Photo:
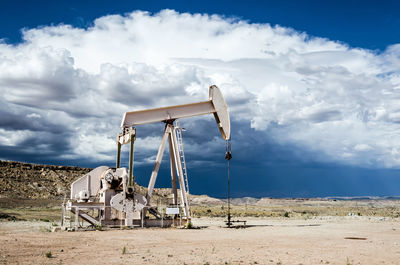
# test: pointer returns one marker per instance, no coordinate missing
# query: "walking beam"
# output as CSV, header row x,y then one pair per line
x,y
215,105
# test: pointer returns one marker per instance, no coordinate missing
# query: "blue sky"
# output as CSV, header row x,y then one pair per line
x,y
312,88
370,24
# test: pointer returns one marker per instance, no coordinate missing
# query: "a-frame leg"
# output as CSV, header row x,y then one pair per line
x,y
173,171
157,164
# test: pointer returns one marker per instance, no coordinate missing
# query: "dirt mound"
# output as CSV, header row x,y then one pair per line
x,y
244,201
204,200
265,201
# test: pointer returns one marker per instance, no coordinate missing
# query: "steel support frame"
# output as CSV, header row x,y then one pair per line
x,y
128,135
175,163
176,169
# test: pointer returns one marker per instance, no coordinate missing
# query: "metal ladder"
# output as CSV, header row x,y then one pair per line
x,y
182,155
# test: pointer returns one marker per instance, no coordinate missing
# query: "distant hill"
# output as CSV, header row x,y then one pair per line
x,y
50,182
33,181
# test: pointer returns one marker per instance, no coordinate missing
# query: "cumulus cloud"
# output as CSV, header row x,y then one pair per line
x,y
313,93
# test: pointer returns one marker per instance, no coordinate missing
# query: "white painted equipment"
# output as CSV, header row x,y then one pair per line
x,y
216,105
111,192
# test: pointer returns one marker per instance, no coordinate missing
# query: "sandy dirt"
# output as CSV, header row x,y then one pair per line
x,y
320,240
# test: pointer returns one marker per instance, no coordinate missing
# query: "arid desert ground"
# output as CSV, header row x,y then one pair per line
x,y
279,231
316,240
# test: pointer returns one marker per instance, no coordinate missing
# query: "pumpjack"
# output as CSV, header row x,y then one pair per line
x,y
106,196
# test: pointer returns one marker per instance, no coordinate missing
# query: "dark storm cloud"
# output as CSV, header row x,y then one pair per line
x,y
41,147
34,92
18,121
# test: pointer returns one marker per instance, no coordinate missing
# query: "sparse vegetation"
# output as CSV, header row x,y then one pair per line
x,y
189,225
302,209
124,250
8,217
22,212
286,214
48,254
45,229
49,211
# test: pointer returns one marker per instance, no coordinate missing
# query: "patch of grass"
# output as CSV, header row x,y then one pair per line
x,y
286,214
32,213
8,217
124,250
54,224
300,209
98,227
189,225
45,229
45,220
48,254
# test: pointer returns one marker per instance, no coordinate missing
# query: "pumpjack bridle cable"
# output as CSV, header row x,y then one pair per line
x,y
228,157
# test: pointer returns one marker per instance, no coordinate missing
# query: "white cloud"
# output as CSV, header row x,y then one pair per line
x,y
315,93
362,147
11,138
34,116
